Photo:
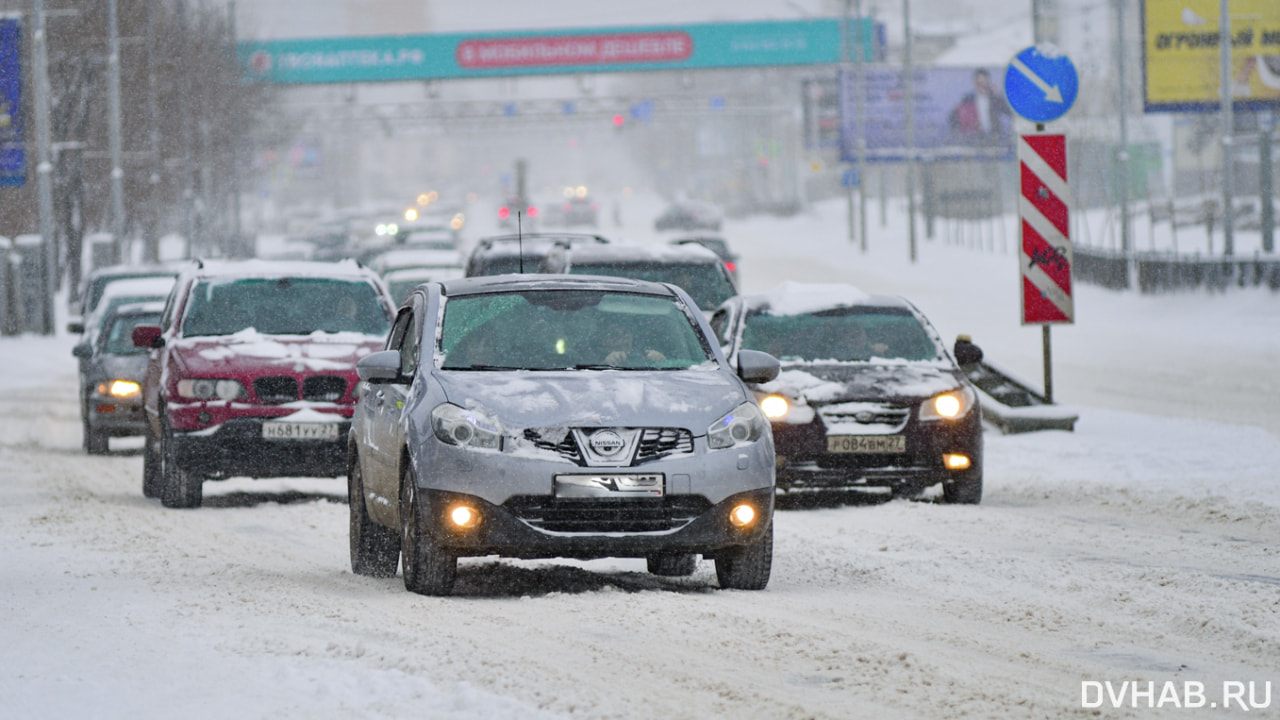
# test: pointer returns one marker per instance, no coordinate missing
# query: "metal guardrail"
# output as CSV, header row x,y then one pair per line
x,y
1167,272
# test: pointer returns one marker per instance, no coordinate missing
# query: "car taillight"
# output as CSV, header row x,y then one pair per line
x,y
504,213
533,211
730,266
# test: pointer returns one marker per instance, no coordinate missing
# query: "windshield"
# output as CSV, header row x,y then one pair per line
x,y
842,335
559,329
119,337
284,306
705,283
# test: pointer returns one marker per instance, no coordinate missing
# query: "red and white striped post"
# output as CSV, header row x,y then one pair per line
x,y
1044,203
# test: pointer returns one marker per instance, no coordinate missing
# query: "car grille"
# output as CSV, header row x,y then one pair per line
x,y
324,388
276,389
604,515
655,443
872,416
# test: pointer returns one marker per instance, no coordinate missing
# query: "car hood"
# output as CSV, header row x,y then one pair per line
x,y
820,384
229,355
692,399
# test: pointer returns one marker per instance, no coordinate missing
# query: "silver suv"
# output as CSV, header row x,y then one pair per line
x,y
572,416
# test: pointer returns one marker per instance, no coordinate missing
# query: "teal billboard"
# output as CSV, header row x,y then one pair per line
x,y
595,50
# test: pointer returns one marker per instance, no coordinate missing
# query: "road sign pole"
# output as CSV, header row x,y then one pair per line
x,y
1228,120
1048,365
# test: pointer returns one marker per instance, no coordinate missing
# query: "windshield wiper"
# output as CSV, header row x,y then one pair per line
x,y
481,367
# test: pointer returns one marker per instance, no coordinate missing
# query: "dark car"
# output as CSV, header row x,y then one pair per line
x,y
689,215
95,283
868,394
715,244
502,420
251,372
695,269
519,253
111,372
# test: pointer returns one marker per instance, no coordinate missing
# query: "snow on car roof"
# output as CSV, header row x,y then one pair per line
x,y
278,268
156,285
515,282
636,252
797,298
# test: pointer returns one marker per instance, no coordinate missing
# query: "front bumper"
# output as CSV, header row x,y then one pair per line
x,y
116,417
539,526
804,462
236,448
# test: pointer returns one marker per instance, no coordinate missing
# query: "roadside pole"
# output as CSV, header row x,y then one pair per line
x,y
1228,122
860,111
44,167
909,72
1267,182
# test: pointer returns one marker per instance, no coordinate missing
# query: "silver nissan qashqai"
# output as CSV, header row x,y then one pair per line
x,y
538,416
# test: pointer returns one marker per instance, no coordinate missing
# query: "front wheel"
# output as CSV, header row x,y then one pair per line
x,y
182,489
428,568
963,492
152,484
95,442
375,550
746,567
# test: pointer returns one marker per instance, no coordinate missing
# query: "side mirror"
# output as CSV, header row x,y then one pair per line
x,y
966,352
379,367
76,327
147,336
82,351
757,367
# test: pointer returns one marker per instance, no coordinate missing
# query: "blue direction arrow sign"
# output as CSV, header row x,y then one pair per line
x,y
1041,84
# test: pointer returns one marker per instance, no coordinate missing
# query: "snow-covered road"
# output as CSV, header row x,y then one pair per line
x,y
1141,548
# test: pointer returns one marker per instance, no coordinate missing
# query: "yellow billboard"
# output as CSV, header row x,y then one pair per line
x,y
1180,54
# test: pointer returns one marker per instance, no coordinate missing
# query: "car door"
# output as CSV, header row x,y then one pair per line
x,y
384,407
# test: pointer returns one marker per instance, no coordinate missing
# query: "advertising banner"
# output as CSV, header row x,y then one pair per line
x,y
958,113
620,49
13,166
1181,70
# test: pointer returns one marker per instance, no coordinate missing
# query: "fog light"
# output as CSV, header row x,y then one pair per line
x,y
742,515
955,462
464,516
205,417
774,406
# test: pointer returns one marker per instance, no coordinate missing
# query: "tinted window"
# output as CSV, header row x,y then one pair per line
x,y
556,329
841,335
705,283
284,306
119,336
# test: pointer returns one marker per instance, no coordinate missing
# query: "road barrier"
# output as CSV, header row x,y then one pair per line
x,y
1167,272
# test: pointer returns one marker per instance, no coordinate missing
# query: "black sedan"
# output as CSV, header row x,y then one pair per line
x,y
868,395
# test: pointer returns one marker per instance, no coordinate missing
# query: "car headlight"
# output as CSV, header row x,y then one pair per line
x,y
211,388
949,405
746,424
467,428
119,388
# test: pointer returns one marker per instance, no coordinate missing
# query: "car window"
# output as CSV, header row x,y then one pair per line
x,y
843,335
720,325
705,283
284,306
119,336
558,329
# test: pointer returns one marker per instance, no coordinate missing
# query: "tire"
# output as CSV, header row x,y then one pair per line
x,y
747,567
95,443
963,492
681,565
428,569
375,550
152,484
181,489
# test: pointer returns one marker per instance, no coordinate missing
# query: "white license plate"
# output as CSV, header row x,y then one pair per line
x,y
866,444
609,486
299,431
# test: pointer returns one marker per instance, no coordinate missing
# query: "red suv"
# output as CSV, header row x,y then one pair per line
x,y
252,372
